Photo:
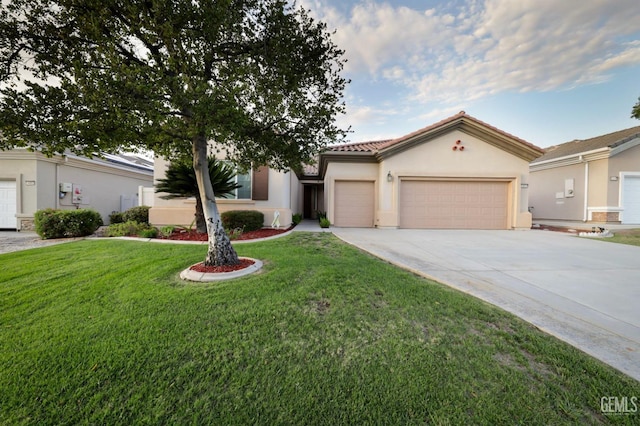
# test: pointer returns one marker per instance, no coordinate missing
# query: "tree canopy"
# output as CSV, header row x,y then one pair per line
x,y
260,78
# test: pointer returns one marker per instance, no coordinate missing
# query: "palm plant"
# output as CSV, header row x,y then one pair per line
x,y
180,181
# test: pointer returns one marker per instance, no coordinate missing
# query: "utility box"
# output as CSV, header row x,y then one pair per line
x,y
66,187
77,194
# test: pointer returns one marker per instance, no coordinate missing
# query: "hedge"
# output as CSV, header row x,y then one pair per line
x,y
51,223
248,220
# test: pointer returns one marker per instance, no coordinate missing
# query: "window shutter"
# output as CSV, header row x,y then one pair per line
x,y
260,184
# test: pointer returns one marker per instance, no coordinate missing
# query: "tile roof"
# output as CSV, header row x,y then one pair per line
x,y
575,147
374,146
370,146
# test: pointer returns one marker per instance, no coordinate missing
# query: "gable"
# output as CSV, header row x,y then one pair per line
x,y
467,125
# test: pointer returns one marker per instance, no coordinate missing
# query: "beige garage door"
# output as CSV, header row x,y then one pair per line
x,y
354,204
453,204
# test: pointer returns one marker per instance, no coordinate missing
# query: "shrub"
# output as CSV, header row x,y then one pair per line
x,y
296,219
116,217
249,220
51,223
234,234
321,215
126,229
148,233
138,214
166,231
324,223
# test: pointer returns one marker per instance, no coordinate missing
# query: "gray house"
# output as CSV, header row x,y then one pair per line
x,y
592,180
30,181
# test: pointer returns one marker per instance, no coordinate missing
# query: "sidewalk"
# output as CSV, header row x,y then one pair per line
x,y
310,225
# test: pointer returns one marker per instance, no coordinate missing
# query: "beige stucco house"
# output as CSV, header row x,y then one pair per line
x,y
460,173
30,181
591,180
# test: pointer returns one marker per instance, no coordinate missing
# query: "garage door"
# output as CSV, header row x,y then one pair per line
x,y
631,200
354,204
8,205
453,204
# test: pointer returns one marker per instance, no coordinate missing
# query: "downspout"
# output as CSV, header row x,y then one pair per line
x,y
586,190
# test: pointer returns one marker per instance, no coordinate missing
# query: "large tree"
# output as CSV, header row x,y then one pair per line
x,y
258,78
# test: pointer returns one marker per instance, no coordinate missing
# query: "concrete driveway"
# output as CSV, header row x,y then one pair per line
x,y
15,241
582,291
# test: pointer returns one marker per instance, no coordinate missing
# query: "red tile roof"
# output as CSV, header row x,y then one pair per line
x,y
370,146
375,146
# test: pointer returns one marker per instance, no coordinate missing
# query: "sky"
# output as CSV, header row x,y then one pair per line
x,y
546,71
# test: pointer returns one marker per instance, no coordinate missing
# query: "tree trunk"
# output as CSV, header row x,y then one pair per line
x,y
201,223
220,252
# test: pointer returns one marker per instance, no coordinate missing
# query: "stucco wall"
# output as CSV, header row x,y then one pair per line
x,y
547,193
437,158
180,211
101,187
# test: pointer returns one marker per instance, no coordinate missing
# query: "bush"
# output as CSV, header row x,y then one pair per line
x,y
138,214
51,223
296,219
324,223
249,220
129,229
148,233
116,217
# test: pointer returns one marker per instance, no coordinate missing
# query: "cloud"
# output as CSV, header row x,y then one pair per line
x,y
467,50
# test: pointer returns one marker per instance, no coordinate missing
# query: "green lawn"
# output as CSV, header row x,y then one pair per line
x,y
104,332
625,236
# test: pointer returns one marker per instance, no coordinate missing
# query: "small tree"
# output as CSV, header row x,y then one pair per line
x,y
635,111
259,78
180,181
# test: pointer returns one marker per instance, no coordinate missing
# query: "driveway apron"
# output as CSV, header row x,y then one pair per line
x,y
582,291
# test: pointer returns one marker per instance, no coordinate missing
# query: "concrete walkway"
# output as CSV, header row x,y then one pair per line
x,y
582,291
11,241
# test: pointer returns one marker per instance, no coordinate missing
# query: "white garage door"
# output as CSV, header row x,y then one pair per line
x,y
631,200
8,207
354,204
453,204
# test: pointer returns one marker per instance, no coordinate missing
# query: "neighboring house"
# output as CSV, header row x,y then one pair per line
x,y
460,173
594,180
31,181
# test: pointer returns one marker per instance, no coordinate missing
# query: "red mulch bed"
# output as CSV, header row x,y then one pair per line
x,y
187,235
244,263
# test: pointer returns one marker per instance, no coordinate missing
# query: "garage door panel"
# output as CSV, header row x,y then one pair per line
x,y
8,205
354,204
453,204
631,200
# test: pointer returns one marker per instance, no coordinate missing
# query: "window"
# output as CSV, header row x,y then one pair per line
x,y
244,192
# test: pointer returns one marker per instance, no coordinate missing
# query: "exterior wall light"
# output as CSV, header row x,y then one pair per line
x,y
389,177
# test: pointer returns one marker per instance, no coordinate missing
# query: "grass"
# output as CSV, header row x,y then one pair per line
x,y
625,236
104,332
